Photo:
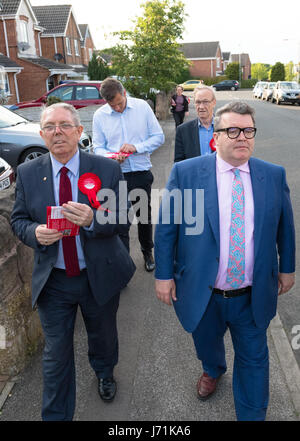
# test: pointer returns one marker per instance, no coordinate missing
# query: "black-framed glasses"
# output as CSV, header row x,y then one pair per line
x,y
234,132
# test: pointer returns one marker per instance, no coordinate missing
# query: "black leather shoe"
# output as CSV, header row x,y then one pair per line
x,y
107,388
149,262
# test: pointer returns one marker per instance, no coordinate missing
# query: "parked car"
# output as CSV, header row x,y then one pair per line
x,y
286,92
79,94
258,89
6,175
267,91
227,85
20,139
191,84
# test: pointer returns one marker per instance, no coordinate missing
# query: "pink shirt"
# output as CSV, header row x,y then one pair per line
x,y
224,183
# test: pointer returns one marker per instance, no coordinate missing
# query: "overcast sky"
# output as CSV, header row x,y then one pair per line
x,y
268,31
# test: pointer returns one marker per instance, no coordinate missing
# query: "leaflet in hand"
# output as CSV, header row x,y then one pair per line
x,y
57,221
114,155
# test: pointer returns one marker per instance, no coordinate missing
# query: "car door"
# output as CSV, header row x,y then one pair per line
x,y
87,95
64,93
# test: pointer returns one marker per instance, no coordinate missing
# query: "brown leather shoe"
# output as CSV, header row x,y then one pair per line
x,y
206,386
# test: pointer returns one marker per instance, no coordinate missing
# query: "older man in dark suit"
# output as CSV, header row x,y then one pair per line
x,y
88,270
193,138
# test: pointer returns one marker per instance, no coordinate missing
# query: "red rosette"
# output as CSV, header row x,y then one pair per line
x,y
90,184
212,144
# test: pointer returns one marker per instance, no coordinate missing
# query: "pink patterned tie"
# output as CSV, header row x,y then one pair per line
x,y
236,261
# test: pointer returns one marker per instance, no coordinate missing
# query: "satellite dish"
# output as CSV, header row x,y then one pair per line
x,y
58,57
23,46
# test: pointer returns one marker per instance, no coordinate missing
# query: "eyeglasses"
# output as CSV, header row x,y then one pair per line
x,y
62,127
234,132
204,102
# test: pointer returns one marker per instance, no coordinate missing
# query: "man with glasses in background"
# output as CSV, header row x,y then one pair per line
x,y
86,270
195,137
231,274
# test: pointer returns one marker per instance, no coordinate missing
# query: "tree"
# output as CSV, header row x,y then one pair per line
x,y
232,71
149,56
97,68
289,71
277,72
259,71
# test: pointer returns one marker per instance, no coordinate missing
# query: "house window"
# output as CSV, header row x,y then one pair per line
x,y
76,47
23,32
90,53
69,51
4,84
218,62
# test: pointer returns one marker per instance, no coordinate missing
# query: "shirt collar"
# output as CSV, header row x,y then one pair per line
x,y
212,123
224,166
72,164
109,110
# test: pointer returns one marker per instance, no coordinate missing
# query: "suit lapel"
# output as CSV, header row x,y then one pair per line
x,y
207,175
45,179
196,140
258,181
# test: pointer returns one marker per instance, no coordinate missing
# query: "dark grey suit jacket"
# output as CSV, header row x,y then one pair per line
x,y
108,263
187,143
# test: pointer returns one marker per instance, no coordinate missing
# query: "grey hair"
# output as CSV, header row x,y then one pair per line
x,y
203,87
110,87
66,106
240,107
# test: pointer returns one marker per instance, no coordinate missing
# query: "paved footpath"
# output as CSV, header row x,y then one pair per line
x,y
158,369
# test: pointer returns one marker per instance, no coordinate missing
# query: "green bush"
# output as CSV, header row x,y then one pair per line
x,y
248,84
52,100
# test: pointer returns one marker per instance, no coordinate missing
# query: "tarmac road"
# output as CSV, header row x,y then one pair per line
x,y
158,369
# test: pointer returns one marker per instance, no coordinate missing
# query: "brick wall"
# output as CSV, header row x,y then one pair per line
x,y
72,33
203,68
31,81
13,97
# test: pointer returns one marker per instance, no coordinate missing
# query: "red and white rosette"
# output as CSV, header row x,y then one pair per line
x,y
212,145
90,184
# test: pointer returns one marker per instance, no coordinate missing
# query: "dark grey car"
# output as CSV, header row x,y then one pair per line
x,y
20,140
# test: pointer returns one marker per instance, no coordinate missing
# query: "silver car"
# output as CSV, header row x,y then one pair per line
x,y
20,139
268,91
258,89
286,92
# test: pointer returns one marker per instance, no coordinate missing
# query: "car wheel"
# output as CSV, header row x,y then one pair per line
x,y
232,88
215,89
32,153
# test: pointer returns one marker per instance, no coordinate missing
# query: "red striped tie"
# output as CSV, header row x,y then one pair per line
x,y
68,243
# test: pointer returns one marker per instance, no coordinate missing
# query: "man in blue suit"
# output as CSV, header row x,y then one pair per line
x,y
88,270
225,272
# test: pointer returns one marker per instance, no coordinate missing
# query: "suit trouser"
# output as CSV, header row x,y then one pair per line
x,y
251,361
57,306
178,117
141,180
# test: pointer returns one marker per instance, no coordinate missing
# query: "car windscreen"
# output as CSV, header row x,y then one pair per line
x,y
290,85
8,118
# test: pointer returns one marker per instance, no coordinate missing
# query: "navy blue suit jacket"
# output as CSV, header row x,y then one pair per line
x,y
108,263
192,260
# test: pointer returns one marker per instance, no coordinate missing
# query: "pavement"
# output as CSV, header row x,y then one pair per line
x,y
157,370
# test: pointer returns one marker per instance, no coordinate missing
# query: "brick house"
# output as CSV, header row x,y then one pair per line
x,y
205,57
20,48
245,62
87,44
62,39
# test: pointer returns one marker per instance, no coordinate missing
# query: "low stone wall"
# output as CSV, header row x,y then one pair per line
x,y
20,329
